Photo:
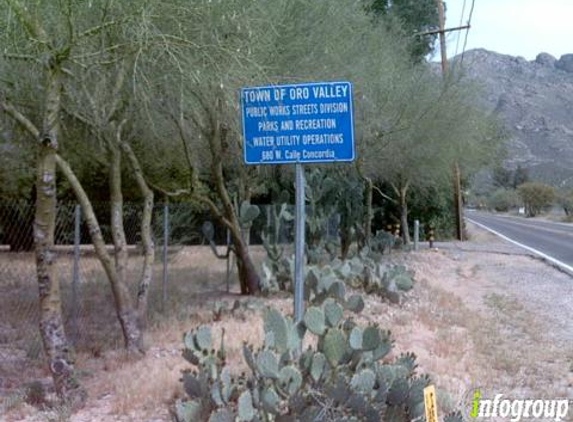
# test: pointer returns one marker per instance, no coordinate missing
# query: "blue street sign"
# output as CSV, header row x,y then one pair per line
x,y
300,123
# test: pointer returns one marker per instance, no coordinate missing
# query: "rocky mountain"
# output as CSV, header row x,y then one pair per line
x,y
535,100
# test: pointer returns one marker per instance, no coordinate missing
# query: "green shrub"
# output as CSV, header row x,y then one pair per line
x,y
503,200
565,200
536,197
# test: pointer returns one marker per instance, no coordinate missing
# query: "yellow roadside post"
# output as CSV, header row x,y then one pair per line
x,y
431,404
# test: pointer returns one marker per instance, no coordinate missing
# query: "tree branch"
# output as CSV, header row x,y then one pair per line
x,y
10,110
24,57
96,29
383,195
192,172
201,198
32,28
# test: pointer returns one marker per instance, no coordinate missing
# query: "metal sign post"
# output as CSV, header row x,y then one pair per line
x,y
299,245
298,124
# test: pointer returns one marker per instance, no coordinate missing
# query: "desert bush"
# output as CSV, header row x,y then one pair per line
x,y
536,197
565,200
503,200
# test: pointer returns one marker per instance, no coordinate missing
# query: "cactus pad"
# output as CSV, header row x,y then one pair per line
x,y
317,366
333,312
203,338
334,346
364,381
267,364
246,409
290,379
314,320
371,338
275,322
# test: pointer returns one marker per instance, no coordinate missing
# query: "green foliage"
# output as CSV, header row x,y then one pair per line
x,y
351,210
509,179
536,197
183,223
347,376
382,242
415,16
16,163
565,200
276,269
403,119
503,200
520,176
502,177
321,194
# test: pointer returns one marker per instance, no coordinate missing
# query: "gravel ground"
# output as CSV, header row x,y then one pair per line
x,y
541,287
482,313
522,335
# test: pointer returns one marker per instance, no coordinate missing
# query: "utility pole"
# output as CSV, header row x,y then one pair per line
x,y
445,69
442,23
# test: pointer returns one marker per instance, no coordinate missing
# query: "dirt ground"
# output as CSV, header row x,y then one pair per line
x,y
482,314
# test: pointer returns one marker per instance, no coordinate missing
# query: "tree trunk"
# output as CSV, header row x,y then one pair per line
x,y
126,312
345,241
146,236
404,215
56,346
118,290
248,276
345,235
148,260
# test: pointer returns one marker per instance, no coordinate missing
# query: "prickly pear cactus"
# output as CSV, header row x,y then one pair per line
x,y
238,309
363,271
248,213
347,373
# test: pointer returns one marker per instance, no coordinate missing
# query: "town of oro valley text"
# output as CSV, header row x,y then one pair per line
x,y
298,123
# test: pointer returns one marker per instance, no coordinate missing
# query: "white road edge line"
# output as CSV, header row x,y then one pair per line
x,y
534,221
554,261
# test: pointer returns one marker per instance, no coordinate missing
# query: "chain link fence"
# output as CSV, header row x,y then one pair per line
x,y
186,274
182,257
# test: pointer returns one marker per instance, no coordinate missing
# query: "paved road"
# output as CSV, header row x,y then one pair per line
x,y
552,239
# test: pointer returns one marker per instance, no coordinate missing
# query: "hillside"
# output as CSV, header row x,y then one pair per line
x,y
535,100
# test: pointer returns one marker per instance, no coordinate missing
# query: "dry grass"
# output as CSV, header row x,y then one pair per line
x,y
465,330
486,334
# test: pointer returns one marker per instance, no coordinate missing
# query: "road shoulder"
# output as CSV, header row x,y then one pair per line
x,y
488,314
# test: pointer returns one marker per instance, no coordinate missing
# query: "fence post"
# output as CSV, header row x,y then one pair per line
x,y
416,234
229,257
76,274
165,247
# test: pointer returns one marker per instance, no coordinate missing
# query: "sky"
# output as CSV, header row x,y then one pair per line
x,y
515,27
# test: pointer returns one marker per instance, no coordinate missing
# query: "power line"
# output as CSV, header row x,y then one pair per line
x,y
461,22
468,31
